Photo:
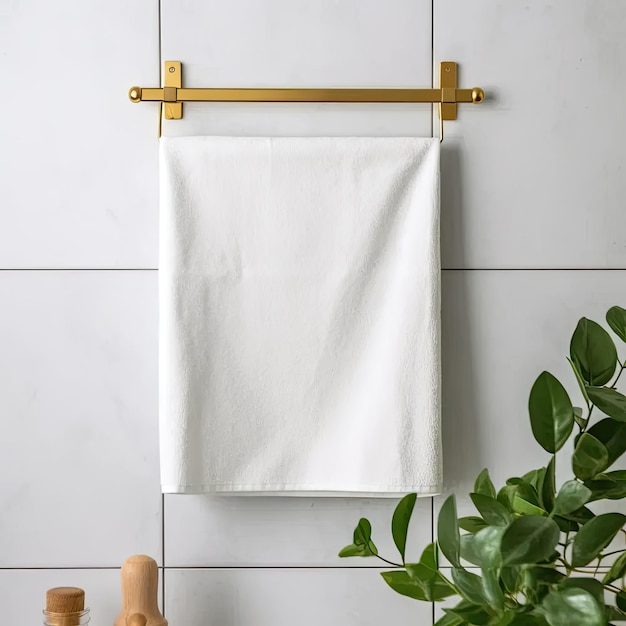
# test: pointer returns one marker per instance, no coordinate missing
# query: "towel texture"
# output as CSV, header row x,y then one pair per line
x,y
299,316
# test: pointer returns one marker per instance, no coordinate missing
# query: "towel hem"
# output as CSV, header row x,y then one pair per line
x,y
362,491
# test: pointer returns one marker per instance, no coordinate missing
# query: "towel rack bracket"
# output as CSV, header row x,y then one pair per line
x,y
172,81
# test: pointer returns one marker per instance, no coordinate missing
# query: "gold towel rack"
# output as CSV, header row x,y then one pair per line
x,y
173,94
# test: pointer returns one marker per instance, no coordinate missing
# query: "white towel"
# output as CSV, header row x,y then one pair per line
x,y
299,316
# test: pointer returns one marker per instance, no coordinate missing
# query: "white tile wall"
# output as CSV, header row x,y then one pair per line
x,y
79,451
538,168
225,531
531,180
78,165
501,330
307,597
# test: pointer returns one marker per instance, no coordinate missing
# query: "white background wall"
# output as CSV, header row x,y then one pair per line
x,y
533,238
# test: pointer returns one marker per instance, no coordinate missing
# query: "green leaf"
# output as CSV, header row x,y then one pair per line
x,y
450,619
402,583
548,488
472,524
506,619
529,619
566,525
506,495
523,507
613,614
493,512
534,478
565,607
433,584
582,515
491,588
362,541
612,435
471,613
609,401
593,586
540,575
400,522
616,319
608,485
578,417
362,532
484,485
470,585
618,569
429,557
620,601
594,353
354,550
590,457
551,412
510,576
483,548
448,535
529,540
605,489
579,380
594,536
469,551
571,497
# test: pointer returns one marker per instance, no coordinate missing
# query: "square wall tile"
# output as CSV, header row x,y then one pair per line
x,y
534,176
78,160
79,473
501,329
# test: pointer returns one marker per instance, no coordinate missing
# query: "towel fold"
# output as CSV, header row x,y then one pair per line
x,y
299,316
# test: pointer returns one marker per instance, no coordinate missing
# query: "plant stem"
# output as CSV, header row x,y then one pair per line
x,y
603,556
389,562
623,366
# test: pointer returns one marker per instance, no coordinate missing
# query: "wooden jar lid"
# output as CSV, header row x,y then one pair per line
x,y
63,600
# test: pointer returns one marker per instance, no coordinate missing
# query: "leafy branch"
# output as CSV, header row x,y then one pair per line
x,y
532,541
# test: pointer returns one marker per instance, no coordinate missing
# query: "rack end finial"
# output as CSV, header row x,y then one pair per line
x,y
478,95
134,93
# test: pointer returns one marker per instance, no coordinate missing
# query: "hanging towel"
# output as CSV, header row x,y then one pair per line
x,y
299,316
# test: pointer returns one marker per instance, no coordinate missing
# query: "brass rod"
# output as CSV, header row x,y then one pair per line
x,y
308,95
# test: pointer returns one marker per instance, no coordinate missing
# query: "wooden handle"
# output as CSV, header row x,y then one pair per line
x,y
140,580
137,619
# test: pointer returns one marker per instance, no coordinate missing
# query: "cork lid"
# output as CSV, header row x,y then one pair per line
x,y
65,600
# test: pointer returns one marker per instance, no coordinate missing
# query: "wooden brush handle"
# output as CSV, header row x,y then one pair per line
x,y
140,580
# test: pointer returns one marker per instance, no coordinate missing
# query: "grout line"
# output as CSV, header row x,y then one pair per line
x,y
432,64
160,38
376,568
79,269
159,63
590,570
163,553
533,269
443,269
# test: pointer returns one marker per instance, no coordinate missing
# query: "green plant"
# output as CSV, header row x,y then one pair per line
x,y
530,541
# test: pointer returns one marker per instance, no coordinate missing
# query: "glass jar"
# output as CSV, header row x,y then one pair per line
x,y
66,619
